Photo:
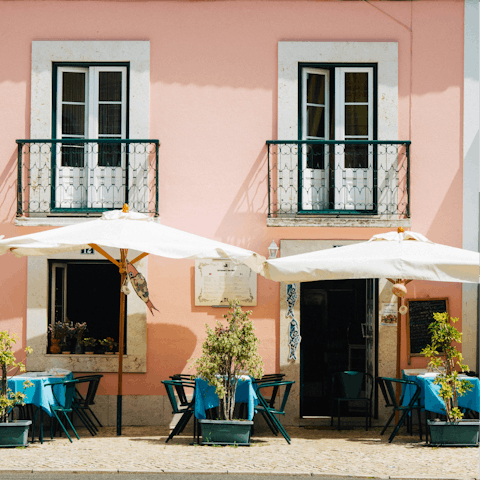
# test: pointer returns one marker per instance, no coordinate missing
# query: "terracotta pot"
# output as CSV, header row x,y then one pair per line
x,y
55,347
66,352
89,353
108,353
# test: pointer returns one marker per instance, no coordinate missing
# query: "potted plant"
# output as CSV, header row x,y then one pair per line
x,y
89,343
229,350
80,329
11,433
108,345
58,333
447,361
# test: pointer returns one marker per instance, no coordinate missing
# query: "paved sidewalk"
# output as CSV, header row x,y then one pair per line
x,y
312,452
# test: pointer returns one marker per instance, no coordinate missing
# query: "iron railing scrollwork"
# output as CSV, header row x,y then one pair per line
x,y
82,176
332,177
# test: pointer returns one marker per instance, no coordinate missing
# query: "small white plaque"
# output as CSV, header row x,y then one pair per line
x,y
218,282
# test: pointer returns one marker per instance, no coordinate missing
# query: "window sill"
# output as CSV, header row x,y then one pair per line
x,y
338,221
55,221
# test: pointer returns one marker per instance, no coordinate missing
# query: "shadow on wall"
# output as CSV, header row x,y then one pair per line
x,y
170,346
8,190
246,216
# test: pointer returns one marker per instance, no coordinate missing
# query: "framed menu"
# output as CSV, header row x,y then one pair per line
x,y
419,317
218,282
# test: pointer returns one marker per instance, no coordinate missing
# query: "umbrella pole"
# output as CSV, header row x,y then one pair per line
x,y
121,336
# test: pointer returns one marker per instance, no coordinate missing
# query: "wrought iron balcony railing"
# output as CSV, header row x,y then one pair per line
x,y
83,176
332,177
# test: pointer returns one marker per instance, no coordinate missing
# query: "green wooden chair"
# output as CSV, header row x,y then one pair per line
x,y
352,387
64,408
82,402
186,410
270,413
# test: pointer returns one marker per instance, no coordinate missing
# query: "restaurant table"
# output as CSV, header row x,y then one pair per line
x,y
429,398
38,394
206,398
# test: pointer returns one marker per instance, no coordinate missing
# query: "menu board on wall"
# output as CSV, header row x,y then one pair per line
x,y
218,282
419,317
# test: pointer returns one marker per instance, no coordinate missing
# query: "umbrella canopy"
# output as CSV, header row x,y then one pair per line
x,y
124,230
402,255
132,230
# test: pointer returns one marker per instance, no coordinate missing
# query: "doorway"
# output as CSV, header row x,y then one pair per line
x,y
337,330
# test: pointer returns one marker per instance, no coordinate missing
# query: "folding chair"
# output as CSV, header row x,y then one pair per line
x,y
82,403
182,397
187,411
270,413
388,388
271,377
65,408
355,387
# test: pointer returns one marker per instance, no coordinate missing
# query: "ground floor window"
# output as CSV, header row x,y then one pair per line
x,y
85,292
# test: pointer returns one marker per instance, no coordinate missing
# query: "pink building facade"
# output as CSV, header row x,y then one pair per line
x,y
310,124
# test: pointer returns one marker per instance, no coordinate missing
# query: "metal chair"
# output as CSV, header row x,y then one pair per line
x,y
270,413
388,388
179,389
66,407
186,411
351,386
271,377
83,402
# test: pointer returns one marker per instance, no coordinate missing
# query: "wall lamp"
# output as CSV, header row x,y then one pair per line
x,y
273,250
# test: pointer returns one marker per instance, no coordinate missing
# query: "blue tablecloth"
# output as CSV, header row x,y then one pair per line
x,y
206,398
38,394
430,400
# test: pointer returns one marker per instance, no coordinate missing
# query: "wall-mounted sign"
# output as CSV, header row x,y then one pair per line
x,y
87,251
389,313
217,282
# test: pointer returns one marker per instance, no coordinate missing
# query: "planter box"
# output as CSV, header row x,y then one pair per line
x,y
14,434
225,432
463,433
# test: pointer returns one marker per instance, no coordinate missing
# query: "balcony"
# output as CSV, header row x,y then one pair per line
x,y
85,177
362,180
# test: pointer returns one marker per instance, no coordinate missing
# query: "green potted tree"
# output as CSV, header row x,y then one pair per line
x,y
447,361
229,350
11,433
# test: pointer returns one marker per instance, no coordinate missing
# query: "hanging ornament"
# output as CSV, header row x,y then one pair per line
x,y
399,289
125,288
139,284
403,310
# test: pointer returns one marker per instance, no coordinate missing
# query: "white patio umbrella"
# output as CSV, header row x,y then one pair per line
x,y
402,255
396,256
124,230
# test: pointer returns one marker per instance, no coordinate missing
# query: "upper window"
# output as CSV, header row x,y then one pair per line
x,y
337,103
91,103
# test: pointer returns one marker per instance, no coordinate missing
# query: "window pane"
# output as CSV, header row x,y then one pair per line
x,y
315,156
356,87
316,89
73,155
316,122
356,156
110,87
109,155
356,120
73,119
109,122
73,87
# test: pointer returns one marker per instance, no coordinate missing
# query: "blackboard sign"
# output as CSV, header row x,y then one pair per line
x,y
419,317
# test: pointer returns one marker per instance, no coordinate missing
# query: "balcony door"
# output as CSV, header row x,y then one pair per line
x,y
91,104
337,104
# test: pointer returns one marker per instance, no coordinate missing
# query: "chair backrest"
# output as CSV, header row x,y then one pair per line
x,y
170,386
352,384
288,386
88,398
271,377
184,379
388,387
69,392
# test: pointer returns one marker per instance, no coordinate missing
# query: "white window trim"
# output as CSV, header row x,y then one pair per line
x,y
37,322
385,55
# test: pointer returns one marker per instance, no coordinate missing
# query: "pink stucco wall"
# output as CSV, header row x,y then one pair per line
x,y
213,106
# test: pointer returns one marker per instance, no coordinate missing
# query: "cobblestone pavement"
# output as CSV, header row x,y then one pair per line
x,y
312,452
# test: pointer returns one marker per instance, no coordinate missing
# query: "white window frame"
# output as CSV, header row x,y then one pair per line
x,y
385,55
